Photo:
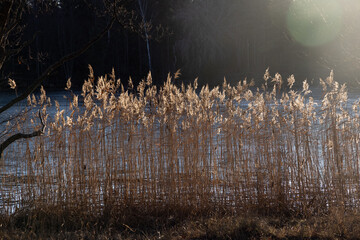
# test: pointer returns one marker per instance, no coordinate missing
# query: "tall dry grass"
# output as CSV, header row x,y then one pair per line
x,y
229,149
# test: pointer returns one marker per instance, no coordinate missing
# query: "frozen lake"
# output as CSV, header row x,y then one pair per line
x,y
16,176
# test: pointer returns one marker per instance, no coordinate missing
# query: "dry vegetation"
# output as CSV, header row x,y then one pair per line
x,y
143,160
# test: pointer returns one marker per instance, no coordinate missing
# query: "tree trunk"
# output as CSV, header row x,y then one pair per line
x,y
142,12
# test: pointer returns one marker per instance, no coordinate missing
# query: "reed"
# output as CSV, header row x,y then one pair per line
x,y
187,151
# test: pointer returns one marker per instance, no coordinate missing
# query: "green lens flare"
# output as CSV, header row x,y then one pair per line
x,y
314,22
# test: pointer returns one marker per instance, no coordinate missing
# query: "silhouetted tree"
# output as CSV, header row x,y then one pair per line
x,y
11,16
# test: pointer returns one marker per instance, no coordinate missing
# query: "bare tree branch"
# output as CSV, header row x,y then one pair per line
x,y
18,136
37,83
53,67
16,51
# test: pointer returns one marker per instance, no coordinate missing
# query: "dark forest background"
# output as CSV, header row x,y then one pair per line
x,y
208,39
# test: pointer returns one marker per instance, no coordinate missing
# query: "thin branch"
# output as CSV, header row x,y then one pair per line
x,y
37,83
53,67
13,18
16,51
42,123
18,136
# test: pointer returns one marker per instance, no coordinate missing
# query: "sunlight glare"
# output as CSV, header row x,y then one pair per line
x,y
314,23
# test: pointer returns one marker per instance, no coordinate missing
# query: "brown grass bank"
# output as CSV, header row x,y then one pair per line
x,y
50,224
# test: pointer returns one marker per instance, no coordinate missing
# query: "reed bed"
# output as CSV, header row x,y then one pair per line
x,y
179,149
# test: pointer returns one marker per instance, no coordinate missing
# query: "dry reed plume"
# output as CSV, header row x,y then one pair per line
x,y
231,149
